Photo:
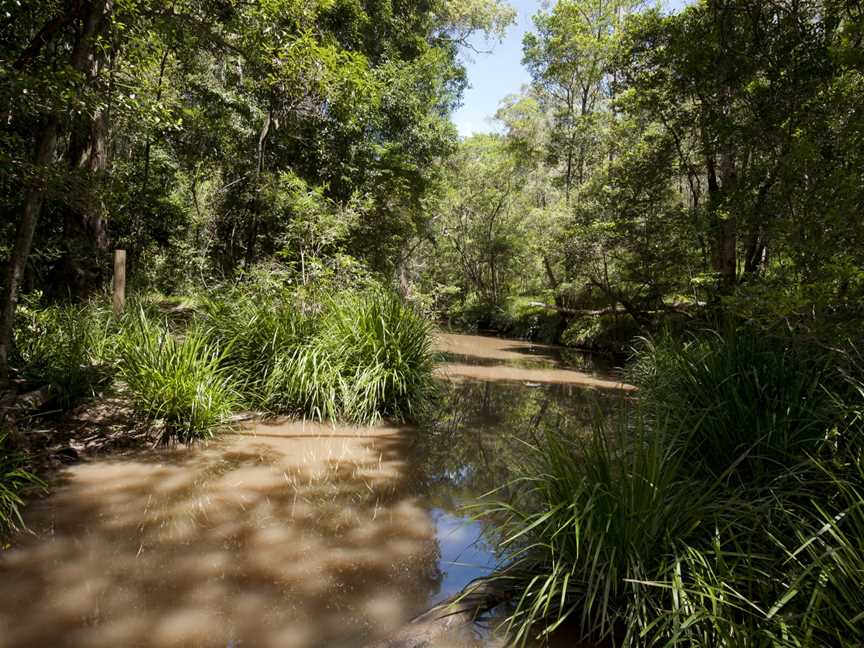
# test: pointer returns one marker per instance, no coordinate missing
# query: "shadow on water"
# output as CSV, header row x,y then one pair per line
x,y
287,533
296,537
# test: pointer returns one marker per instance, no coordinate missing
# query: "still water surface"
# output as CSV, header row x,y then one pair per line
x,y
290,533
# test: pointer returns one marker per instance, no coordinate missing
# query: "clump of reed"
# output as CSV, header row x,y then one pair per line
x,y
180,381
351,355
725,509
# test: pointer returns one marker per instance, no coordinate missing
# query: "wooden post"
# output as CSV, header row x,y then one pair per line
x,y
119,292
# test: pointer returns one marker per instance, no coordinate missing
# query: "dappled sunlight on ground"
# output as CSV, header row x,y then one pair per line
x,y
285,535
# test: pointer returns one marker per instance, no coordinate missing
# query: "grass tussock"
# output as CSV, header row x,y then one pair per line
x,y
726,509
353,355
182,382
739,393
378,354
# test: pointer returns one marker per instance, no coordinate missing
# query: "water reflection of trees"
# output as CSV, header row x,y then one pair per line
x,y
480,435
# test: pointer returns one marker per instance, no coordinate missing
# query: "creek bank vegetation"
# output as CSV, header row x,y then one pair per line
x,y
660,170
215,141
736,520
693,178
347,354
351,354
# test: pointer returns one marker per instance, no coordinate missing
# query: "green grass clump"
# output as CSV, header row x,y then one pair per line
x,y
350,355
69,347
738,521
371,356
14,480
182,382
740,392
258,330
593,515
354,354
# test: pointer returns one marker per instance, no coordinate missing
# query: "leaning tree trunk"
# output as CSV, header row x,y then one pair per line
x,y
92,16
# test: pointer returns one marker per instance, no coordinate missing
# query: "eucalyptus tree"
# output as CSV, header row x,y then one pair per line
x,y
482,233
569,60
527,127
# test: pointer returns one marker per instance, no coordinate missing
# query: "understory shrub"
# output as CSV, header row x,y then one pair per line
x,y
605,332
535,323
69,347
477,314
724,509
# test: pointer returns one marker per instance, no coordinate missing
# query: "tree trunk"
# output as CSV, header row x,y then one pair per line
x,y
46,150
724,259
252,236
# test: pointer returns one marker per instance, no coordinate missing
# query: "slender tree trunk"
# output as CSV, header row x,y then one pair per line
x,y
568,179
724,260
46,150
253,225
554,283
147,140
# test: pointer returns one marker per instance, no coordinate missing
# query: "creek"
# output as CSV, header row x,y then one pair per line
x,y
291,533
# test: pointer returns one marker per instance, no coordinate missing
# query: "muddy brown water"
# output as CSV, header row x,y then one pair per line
x,y
291,533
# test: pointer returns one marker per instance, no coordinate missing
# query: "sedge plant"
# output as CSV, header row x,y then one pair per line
x,y
68,347
182,382
15,480
725,510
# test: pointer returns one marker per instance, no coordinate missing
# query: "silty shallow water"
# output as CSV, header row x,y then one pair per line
x,y
290,533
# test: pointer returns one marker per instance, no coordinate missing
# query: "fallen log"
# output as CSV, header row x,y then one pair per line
x,y
32,400
678,308
609,310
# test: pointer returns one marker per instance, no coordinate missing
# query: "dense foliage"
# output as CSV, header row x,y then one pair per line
x,y
181,382
352,354
673,171
204,137
665,166
349,354
291,164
